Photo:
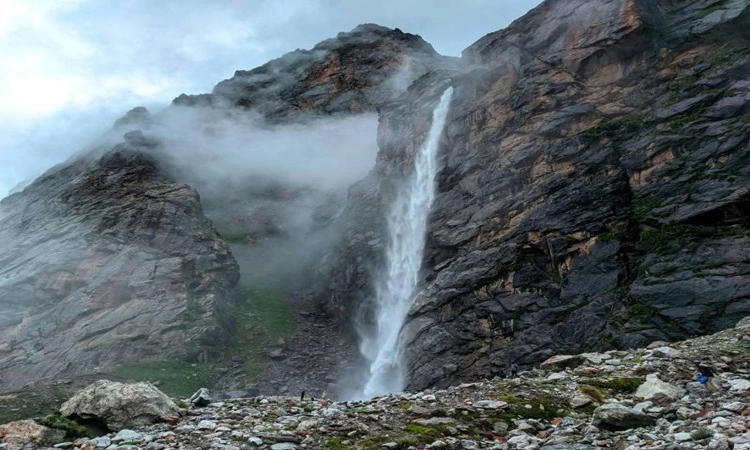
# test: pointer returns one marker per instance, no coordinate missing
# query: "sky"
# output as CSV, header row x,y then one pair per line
x,y
72,67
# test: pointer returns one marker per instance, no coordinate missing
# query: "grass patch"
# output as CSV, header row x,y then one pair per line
x,y
175,378
640,312
610,128
539,406
424,434
670,239
593,393
263,316
33,402
643,206
336,443
625,385
57,421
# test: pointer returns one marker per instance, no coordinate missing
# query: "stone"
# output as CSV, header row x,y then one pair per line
x,y
743,323
620,417
28,432
682,437
201,397
666,352
434,421
729,107
562,361
283,446
739,384
207,425
657,344
120,405
735,407
654,387
490,404
126,435
580,400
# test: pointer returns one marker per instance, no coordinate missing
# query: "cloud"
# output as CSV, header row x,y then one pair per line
x,y
70,65
213,148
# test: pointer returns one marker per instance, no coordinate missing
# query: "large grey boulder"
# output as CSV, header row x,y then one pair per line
x,y
119,405
619,417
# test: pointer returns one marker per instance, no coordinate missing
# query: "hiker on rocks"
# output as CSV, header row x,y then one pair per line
x,y
706,377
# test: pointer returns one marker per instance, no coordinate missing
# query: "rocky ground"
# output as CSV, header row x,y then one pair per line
x,y
638,399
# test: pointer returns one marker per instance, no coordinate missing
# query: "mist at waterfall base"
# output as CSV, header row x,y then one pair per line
x,y
381,343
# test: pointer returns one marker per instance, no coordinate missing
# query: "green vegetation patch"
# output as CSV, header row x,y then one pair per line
x,y
610,128
593,393
670,239
701,434
57,421
624,385
541,406
263,316
175,378
33,402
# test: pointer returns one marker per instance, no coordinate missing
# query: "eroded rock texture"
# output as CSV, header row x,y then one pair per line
x,y
594,190
107,262
108,259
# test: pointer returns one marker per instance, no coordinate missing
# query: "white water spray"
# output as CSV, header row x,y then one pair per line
x,y
407,227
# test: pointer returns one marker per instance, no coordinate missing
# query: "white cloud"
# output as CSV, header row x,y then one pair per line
x,y
75,65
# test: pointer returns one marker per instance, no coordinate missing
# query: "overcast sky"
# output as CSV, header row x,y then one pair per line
x,y
71,67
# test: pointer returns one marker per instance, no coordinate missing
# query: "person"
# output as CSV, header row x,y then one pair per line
x,y
706,377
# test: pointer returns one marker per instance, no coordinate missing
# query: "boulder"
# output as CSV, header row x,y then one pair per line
x,y
201,398
619,417
119,405
562,362
24,432
743,323
653,387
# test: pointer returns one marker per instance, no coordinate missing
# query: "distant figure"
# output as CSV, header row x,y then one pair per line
x,y
706,377
513,371
302,396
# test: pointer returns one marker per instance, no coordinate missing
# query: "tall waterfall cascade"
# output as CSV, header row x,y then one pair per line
x,y
407,228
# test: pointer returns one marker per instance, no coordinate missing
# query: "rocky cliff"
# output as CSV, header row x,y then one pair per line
x,y
110,260
594,191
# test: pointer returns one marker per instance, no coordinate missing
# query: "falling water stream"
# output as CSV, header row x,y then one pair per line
x,y
407,227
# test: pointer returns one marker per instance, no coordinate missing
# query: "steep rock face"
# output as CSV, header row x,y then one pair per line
x,y
107,262
355,72
594,190
108,259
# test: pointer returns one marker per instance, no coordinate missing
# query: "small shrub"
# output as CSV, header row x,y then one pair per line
x,y
593,393
57,421
623,385
701,433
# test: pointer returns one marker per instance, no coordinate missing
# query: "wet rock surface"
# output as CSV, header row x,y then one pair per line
x,y
531,411
593,192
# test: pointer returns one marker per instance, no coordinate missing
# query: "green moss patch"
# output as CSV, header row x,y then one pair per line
x,y
670,239
58,422
624,385
541,406
175,378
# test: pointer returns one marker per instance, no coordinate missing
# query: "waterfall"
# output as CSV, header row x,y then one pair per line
x,y
407,228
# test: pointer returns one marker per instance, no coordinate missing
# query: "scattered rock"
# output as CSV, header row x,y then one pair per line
x,y
201,397
654,387
559,362
28,432
619,417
